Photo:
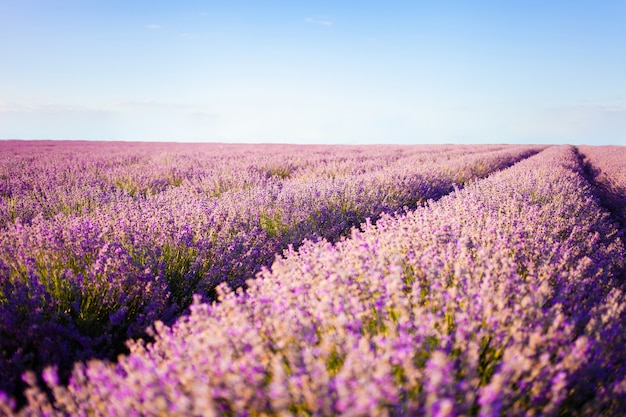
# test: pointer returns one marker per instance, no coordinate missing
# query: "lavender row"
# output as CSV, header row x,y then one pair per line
x,y
607,164
47,178
499,299
76,286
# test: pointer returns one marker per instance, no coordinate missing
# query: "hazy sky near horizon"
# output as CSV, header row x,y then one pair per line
x,y
320,71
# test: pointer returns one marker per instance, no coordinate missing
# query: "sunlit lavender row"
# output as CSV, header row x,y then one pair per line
x,y
46,178
503,298
607,165
101,240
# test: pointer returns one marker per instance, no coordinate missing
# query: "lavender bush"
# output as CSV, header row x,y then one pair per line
x,y
607,165
98,242
503,298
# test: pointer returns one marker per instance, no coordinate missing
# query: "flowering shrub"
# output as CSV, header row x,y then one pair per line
x,y
607,165
100,240
502,298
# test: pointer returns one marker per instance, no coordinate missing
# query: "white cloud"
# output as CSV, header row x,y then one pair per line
x,y
611,104
153,26
138,103
55,121
203,116
6,107
154,103
46,108
581,123
320,22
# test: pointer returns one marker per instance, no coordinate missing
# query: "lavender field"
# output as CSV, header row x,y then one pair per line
x,y
145,279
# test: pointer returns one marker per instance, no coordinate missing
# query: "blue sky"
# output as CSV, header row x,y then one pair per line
x,y
314,71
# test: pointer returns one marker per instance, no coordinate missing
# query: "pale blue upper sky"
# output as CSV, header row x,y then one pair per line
x,y
532,71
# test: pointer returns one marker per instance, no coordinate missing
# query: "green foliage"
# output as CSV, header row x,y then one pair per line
x,y
128,185
335,362
489,359
300,409
10,201
280,171
51,275
93,313
175,180
181,274
449,320
431,343
375,325
273,223
409,277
